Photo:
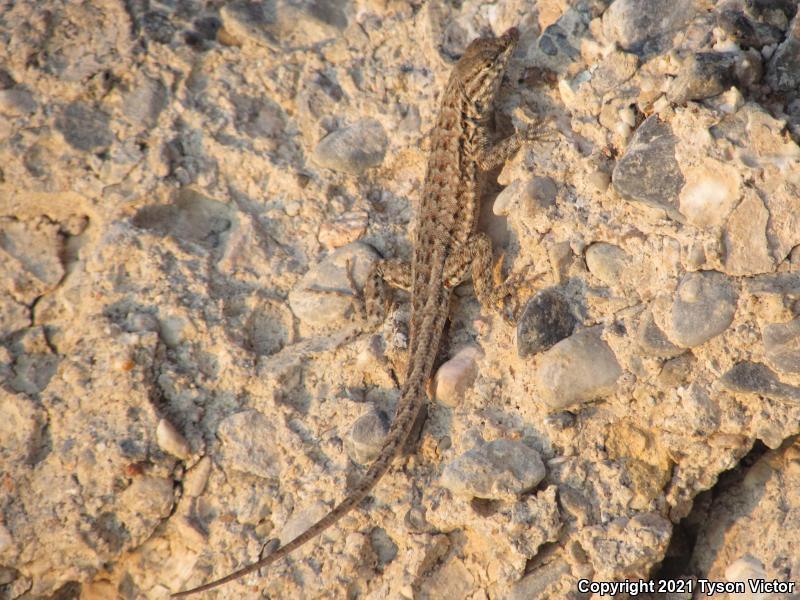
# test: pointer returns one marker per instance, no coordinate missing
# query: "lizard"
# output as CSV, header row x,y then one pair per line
x,y
447,249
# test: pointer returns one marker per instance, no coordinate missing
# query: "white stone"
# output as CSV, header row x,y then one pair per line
x,y
171,441
455,377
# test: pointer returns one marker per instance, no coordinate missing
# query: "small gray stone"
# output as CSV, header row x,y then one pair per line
x,y
782,345
774,283
576,370
607,262
366,437
13,315
148,498
755,378
17,102
676,371
746,32
702,75
501,469
157,26
783,69
248,444
540,195
652,340
545,321
321,298
145,101
631,23
540,582
614,69
648,172
192,219
353,149
84,128
704,306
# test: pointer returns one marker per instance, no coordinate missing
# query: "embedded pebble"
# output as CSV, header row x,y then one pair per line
x,y
366,437
21,427
747,32
507,197
652,340
301,520
599,181
560,256
194,483
774,283
545,321
783,69
607,262
635,541
30,258
676,371
501,469
648,171
755,378
171,441
457,375
704,306
746,568
782,345
632,23
540,194
16,102
614,69
702,75
346,228
353,149
144,102
576,370
13,315
248,444
323,297
745,239
711,192
84,128
191,535
250,21
148,497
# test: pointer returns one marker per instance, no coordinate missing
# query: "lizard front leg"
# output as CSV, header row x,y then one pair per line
x,y
384,273
491,155
476,258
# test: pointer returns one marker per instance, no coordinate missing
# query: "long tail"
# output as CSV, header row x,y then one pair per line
x,y
410,402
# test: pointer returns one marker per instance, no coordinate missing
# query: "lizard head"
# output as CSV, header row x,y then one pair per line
x,y
480,70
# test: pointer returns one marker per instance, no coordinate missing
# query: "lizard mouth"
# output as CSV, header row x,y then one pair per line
x,y
512,35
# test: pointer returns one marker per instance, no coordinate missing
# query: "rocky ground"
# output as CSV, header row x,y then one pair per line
x,y
182,183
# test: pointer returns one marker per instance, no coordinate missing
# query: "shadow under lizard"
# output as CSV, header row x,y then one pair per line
x,y
447,249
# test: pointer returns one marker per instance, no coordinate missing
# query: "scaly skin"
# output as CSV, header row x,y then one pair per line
x,y
445,248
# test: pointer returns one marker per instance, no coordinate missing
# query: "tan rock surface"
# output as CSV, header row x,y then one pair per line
x,y
170,210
